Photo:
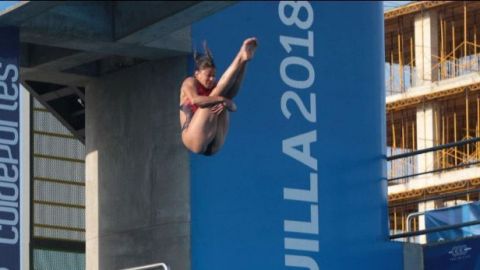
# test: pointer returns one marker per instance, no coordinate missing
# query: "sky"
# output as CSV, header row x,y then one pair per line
x,y
6,4
386,4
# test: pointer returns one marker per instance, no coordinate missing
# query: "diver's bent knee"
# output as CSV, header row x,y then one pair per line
x,y
197,148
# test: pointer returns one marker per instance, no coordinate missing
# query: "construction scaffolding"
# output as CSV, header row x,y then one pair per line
x,y
432,78
457,46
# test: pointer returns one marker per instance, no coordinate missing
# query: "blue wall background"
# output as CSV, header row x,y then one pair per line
x,y
238,210
453,255
9,119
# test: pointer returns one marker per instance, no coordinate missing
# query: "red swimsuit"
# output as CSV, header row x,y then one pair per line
x,y
201,91
189,108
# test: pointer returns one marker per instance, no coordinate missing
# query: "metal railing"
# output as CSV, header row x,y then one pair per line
x,y
150,267
406,214
433,230
396,179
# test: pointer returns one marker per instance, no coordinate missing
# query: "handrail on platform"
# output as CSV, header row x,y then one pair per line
x,y
150,266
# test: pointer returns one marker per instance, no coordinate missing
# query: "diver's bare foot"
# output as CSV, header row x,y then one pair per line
x,y
248,49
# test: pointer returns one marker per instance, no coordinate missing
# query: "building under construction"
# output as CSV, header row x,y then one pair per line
x,y
432,80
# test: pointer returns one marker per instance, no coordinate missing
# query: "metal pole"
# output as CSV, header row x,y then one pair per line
x,y
394,219
394,144
411,61
455,133
467,124
464,28
400,60
403,131
443,142
435,143
413,136
475,45
442,53
445,47
391,71
478,126
454,68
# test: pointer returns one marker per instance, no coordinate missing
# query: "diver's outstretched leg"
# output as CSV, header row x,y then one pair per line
x,y
233,91
230,81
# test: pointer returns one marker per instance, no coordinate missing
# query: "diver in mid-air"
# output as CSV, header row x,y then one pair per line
x,y
204,103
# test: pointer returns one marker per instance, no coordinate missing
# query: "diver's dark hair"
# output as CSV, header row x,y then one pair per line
x,y
204,60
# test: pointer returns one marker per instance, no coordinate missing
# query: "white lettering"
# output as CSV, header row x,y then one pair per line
x,y
9,156
9,141
299,84
5,95
310,227
290,95
304,156
310,195
9,241
301,261
9,68
301,244
12,189
13,132
294,18
292,13
8,210
4,91
9,204
5,176
287,41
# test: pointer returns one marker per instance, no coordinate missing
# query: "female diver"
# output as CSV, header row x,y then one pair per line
x,y
204,103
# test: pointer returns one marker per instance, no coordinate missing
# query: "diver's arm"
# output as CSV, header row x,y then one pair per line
x,y
188,87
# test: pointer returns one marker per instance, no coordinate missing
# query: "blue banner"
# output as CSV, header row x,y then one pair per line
x,y
300,181
452,216
454,255
9,150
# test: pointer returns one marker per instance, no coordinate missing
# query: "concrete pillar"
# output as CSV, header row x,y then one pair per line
x,y
137,170
422,207
425,136
426,46
425,162
412,257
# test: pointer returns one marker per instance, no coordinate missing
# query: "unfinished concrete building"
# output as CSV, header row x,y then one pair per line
x,y
432,80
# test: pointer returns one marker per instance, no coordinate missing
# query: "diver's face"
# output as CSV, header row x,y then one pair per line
x,y
206,77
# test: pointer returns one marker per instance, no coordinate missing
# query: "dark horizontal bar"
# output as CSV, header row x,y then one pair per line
x,y
59,181
432,149
55,227
58,245
435,198
59,204
59,158
434,171
52,134
437,229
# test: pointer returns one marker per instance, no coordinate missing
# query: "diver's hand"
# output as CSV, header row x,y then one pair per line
x,y
230,105
218,108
